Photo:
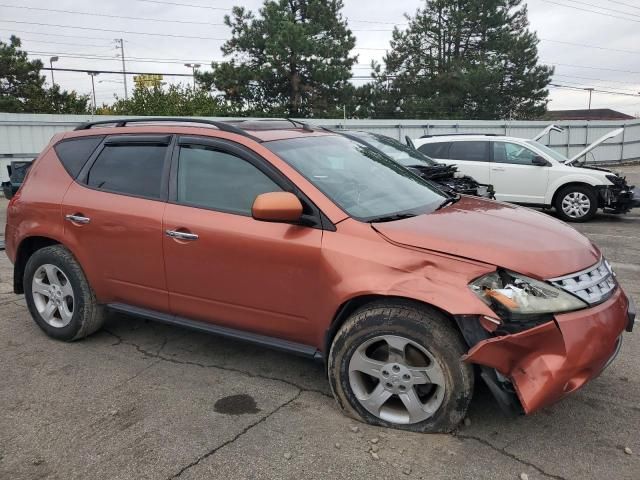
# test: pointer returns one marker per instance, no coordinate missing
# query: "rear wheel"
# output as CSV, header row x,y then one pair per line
x,y
576,203
58,295
397,364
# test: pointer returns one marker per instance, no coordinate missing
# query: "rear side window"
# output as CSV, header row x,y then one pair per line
x,y
470,151
436,149
75,152
129,169
220,181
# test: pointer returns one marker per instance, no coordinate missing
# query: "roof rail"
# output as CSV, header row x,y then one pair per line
x,y
269,123
223,126
454,134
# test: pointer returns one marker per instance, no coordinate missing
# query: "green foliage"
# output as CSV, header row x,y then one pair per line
x,y
175,100
464,59
293,59
22,87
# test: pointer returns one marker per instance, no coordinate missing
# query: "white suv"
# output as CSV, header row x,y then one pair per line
x,y
527,172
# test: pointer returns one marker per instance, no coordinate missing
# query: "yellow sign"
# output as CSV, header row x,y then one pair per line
x,y
147,81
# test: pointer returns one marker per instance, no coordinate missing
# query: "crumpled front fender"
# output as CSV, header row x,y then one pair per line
x,y
549,361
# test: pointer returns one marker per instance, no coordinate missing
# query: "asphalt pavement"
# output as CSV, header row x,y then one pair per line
x,y
142,400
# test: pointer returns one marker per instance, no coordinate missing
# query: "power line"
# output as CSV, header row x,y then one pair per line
x,y
29,40
115,31
115,72
595,90
636,52
622,3
75,12
597,79
185,5
61,35
602,8
592,11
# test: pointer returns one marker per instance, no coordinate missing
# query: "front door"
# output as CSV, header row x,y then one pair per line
x,y
223,266
513,175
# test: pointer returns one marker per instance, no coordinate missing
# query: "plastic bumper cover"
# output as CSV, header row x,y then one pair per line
x,y
549,361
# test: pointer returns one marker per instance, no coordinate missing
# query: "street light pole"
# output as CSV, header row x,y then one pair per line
x,y
93,89
51,60
193,67
590,90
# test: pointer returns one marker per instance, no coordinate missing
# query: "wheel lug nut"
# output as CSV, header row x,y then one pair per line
x,y
385,373
388,385
406,377
396,368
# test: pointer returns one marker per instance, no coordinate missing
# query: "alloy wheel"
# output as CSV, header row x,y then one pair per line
x,y
396,379
53,295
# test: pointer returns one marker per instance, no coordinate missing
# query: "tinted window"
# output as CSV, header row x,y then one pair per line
x,y
75,152
436,149
505,152
129,169
220,181
362,181
471,151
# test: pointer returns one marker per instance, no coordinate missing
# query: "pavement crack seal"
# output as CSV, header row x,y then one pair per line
x,y
151,354
236,437
508,454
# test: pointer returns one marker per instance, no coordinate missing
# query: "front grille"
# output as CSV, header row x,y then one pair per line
x,y
593,285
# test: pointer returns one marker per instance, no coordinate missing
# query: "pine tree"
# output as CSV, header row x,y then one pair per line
x,y
22,88
465,59
292,59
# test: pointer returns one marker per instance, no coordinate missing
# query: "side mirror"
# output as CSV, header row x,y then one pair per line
x,y
282,207
539,161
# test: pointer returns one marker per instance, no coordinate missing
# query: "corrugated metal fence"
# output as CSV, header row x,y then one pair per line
x,y
22,136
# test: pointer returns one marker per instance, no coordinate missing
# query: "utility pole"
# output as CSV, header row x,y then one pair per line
x,y
193,67
590,90
51,60
120,42
93,89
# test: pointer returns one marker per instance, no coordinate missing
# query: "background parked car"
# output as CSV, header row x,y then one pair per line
x,y
527,172
17,171
444,176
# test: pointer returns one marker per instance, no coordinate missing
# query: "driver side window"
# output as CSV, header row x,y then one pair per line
x,y
506,152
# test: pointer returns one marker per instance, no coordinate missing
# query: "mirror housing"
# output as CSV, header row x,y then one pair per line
x,y
281,207
540,161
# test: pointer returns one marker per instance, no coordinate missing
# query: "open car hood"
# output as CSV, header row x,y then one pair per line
x,y
516,238
604,138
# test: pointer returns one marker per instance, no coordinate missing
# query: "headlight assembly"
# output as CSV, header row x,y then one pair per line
x,y
515,297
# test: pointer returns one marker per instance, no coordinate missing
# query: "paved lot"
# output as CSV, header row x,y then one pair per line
x,y
142,400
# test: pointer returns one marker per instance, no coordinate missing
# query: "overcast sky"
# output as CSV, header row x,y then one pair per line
x,y
599,50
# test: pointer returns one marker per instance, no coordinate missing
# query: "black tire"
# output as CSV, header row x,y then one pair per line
x,y
584,190
87,316
417,323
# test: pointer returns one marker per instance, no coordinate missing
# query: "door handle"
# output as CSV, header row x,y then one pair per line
x,y
77,218
498,169
181,235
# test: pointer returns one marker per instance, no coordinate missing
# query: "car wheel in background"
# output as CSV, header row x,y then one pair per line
x,y
576,203
397,364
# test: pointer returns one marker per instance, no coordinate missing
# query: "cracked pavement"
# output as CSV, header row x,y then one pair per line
x,y
138,400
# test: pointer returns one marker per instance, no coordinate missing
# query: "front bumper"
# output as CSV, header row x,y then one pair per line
x,y
549,361
619,199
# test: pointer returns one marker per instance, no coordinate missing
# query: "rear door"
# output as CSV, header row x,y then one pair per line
x,y
513,175
113,214
224,267
472,157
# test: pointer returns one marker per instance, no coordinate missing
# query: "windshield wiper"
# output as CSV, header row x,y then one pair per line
x,y
391,218
449,201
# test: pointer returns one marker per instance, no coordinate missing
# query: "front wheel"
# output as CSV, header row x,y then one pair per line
x,y
576,203
397,364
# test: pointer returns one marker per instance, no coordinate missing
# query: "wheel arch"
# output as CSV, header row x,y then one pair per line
x,y
355,303
27,247
555,189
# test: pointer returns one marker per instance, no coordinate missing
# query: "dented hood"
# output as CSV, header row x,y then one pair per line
x,y
516,238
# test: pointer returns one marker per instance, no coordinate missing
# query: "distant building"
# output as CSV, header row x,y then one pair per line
x,y
593,114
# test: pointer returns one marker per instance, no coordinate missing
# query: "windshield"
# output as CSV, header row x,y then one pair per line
x,y
364,183
397,150
549,151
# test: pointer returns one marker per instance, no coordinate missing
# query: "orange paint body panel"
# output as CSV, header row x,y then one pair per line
x,y
552,360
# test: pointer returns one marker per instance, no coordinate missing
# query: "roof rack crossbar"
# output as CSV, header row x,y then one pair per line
x,y
456,134
223,126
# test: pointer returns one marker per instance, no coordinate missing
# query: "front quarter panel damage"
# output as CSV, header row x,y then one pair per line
x,y
549,361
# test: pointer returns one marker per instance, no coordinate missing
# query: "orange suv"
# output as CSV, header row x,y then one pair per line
x,y
309,242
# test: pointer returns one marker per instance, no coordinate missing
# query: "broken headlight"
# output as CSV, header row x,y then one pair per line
x,y
516,297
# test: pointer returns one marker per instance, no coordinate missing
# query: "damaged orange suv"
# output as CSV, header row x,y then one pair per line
x,y
306,241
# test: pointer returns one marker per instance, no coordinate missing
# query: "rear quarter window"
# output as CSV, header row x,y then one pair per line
x,y
75,152
472,151
435,149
